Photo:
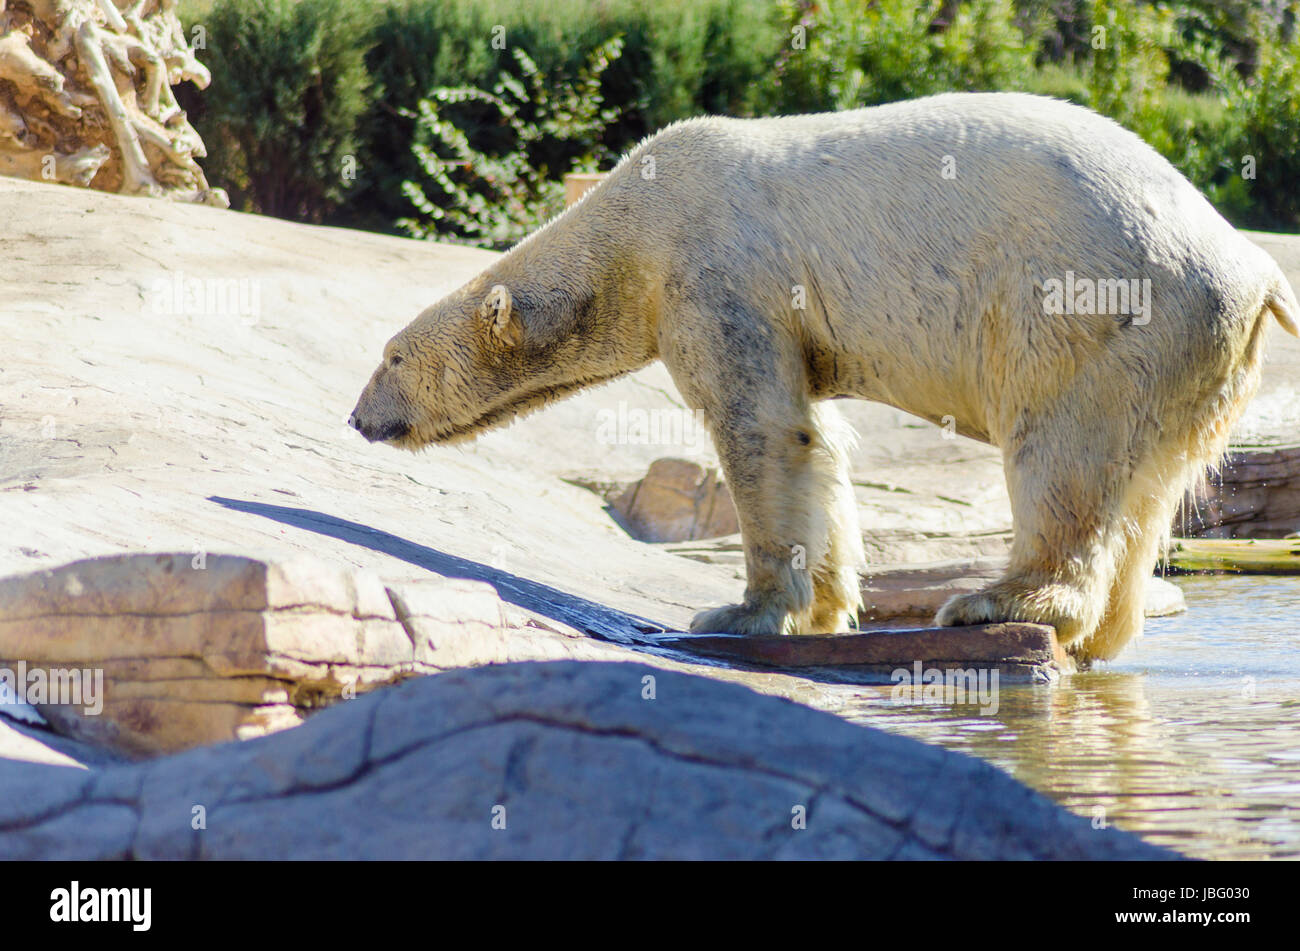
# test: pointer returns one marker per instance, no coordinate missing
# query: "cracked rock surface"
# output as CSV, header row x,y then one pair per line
x,y
558,760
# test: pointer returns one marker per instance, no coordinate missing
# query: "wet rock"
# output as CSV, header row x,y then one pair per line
x,y
1163,598
1265,556
552,761
1018,651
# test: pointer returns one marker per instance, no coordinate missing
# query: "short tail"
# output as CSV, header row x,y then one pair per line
x,y
1281,301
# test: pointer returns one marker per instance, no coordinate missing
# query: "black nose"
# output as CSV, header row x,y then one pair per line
x,y
379,432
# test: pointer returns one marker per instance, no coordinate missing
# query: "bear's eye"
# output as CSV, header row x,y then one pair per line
x,y
395,360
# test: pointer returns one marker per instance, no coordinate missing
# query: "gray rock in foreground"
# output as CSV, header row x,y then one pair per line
x,y
577,763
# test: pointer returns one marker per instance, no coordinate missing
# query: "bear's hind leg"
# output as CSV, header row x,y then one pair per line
x,y
1149,507
1159,484
1067,482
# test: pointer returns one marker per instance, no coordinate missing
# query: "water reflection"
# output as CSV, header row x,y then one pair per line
x,y
1191,738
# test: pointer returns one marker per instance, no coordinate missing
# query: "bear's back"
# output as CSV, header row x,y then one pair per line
x,y
970,179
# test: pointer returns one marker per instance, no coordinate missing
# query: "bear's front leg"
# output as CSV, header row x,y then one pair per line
x,y
778,584
786,464
798,522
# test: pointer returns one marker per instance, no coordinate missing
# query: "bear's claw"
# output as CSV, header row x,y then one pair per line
x,y
743,619
760,619
1054,604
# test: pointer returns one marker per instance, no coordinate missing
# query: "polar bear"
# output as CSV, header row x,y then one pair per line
x,y
1020,268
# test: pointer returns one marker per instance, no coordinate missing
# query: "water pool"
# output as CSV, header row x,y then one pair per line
x,y
1191,738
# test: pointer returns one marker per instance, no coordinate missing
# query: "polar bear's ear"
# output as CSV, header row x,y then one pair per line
x,y
498,309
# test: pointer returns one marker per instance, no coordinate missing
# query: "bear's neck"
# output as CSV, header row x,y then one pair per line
x,y
592,282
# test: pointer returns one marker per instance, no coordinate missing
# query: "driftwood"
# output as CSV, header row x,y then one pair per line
x,y
86,99
1275,556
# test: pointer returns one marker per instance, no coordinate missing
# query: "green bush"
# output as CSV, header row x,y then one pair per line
x,y
1061,81
495,200
1270,135
300,88
280,117
415,47
846,53
704,56
1129,67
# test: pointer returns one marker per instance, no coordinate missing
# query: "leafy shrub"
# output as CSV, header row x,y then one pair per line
x,y
1271,136
1061,81
415,47
1129,67
846,53
495,200
678,59
1128,80
299,87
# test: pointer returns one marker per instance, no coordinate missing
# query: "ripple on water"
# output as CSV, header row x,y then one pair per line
x,y
1191,738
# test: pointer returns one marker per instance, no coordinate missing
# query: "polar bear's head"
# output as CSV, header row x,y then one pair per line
x,y
476,360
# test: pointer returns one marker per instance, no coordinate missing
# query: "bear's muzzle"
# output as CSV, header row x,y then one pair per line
x,y
378,431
